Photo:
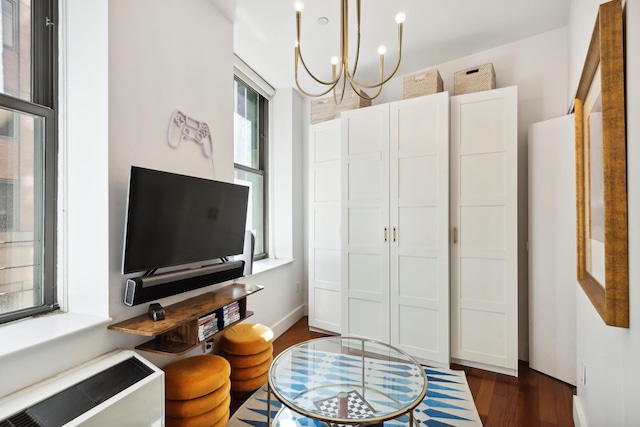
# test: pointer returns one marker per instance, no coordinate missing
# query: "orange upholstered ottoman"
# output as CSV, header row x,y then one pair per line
x,y
248,348
247,360
197,391
246,339
199,405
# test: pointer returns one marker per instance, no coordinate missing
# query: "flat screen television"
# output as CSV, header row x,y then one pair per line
x,y
176,219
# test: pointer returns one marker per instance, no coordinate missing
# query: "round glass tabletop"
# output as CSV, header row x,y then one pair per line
x,y
347,380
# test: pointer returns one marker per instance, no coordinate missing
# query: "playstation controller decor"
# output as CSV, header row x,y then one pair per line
x,y
183,127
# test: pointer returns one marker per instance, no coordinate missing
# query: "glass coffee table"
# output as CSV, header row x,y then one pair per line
x,y
341,380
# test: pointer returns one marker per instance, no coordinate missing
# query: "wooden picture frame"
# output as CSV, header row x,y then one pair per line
x,y
601,171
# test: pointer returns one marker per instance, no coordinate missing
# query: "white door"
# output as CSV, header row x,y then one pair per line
x,y
324,226
365,220
552,248
419,222
484,215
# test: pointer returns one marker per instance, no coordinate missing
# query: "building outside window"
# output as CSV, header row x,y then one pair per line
x,y
251,114
27,158
9,24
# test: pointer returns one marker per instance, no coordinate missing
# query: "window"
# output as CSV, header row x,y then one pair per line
x,y
28,159
251,112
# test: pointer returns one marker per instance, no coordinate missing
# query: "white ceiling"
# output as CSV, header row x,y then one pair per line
x,y
435,31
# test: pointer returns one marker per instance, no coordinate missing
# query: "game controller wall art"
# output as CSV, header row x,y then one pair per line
x,y
183,127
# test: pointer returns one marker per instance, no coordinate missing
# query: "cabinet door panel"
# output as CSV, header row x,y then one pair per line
x,y
482,176
428,338
327,183
484,261
365,219
368,318
324,226
413,173
475,339
418,279
419,221
481,124
417,228
366,178
326,309
483,279
365,276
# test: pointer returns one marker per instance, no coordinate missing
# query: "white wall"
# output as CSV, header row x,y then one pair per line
x,y
612,391
181,57
130,64
160,62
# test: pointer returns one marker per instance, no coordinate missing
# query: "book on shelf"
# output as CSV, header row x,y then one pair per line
x,y
231,313
207,326
231,308
232,319
228,314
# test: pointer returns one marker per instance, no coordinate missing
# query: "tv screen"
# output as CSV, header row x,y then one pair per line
x,y
176,219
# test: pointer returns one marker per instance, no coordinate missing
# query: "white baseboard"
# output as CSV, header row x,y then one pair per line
x,y
579,418
288,321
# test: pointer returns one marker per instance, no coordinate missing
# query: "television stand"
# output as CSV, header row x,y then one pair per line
x,y
178,332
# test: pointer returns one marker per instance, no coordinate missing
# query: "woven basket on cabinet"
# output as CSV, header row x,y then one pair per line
x,y
425,83
474,79
324,109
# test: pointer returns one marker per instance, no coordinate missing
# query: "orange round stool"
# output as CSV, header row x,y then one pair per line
x,y
197,391
249,349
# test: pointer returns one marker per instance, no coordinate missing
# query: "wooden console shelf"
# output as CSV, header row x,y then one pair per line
x,y
178,332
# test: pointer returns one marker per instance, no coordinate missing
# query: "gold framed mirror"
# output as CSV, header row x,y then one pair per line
x,y
601,171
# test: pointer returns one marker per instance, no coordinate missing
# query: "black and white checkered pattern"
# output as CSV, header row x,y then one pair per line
x,y
357,406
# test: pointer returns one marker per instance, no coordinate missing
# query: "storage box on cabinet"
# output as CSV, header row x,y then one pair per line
x,y
474,79
419,84
323,109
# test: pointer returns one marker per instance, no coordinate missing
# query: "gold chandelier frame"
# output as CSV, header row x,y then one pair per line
x,y
345,73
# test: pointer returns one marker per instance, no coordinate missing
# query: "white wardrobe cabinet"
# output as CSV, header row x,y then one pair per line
x,y
413,227
552,248
395,213
484,221
324,226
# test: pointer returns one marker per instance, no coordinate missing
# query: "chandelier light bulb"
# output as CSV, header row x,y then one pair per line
x,y
334,60
298,6
382,50
400,17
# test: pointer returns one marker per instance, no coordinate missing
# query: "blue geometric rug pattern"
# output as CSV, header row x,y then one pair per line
x,y
448,401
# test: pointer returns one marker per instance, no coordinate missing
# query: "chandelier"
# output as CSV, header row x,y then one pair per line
x,y
340,68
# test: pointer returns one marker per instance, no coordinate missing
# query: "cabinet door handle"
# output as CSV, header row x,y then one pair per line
x,y
455,235
385,234
394,234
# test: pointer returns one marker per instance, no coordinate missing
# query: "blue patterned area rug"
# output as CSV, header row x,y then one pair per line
x,y
448,403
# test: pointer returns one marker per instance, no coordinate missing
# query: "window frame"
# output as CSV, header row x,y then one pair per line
x,y
44,94
262,170
252,79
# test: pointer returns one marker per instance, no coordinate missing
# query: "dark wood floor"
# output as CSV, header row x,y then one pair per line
x,y
531,399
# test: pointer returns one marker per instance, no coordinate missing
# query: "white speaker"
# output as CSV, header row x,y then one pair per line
x,y
247,253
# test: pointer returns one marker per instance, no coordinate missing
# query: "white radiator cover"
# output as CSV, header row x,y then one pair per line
x,y
139,404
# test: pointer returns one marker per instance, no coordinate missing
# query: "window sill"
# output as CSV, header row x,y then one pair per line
x,y
28,333
268,264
